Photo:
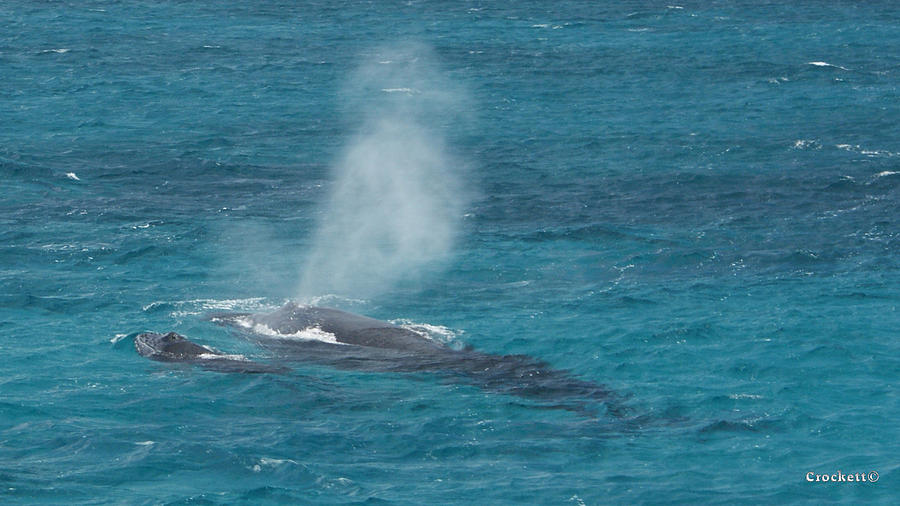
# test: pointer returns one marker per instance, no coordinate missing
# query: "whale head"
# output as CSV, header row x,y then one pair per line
x,y
170,347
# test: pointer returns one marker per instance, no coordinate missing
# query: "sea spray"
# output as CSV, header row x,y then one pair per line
x,y
396,200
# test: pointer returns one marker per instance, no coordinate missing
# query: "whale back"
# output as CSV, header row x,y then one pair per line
x,y
347,328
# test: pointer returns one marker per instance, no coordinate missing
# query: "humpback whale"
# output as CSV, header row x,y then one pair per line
x,y
172,347
349,341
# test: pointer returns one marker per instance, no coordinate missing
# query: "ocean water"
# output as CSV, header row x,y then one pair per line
x,y
692,203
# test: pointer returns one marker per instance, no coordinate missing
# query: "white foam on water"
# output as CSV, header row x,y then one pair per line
x,y
870,152
267,462
218,356
886,173
408,91
577,500
437,333
856,148
826,64
806,143
200,306
308,334
145,443
71,175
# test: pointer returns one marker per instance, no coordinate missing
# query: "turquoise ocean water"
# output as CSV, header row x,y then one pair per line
x,y
692,203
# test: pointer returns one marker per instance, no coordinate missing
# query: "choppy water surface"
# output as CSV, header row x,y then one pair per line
x,y
694,205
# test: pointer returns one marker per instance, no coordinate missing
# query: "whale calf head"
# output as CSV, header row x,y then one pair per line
x,y
170,347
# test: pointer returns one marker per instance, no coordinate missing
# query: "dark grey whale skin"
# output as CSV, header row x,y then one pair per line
x,y
348,328
372,345
172,347
367,344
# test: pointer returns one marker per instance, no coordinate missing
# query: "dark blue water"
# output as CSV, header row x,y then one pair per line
x,y
693,204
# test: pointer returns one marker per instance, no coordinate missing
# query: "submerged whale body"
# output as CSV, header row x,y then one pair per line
x,y
349,341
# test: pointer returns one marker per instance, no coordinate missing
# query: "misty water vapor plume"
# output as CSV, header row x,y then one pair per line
x,y
396,200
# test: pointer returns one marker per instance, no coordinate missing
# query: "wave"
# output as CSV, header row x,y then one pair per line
x,y
825,64
201,306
